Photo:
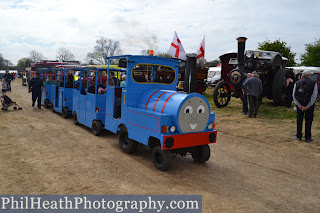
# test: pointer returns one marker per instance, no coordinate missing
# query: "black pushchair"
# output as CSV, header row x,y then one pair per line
x,y
7,102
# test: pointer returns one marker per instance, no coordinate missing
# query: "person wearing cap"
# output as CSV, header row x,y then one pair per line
x,y
36,86
254,90
304,94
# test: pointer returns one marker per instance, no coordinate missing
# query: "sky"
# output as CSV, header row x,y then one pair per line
x,y
47,25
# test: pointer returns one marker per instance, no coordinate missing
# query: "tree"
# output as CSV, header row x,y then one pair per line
x,y
164,55
24,62
104,48
212,63
4,63
36,56
280,47
312,55
64,54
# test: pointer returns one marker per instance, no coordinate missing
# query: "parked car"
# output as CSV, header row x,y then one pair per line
x,y
214,75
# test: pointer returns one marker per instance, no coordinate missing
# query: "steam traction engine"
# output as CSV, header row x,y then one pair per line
x,y
269,65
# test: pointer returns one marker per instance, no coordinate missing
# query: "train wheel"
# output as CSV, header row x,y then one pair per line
x,y
222,94
96,127
202,155
161,158
46,104
127,145
65,112
75,118
278,86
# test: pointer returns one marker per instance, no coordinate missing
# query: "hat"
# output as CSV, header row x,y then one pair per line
x,y
306,72
100,90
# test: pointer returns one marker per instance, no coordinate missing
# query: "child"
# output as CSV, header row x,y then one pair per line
x,y
4,86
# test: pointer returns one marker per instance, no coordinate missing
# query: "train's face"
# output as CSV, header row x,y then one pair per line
x,y
193,115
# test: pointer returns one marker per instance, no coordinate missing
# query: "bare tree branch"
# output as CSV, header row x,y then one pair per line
x,y
104,48
36,56
64,54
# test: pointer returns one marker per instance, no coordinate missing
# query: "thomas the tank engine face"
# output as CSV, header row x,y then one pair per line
x,y
193,115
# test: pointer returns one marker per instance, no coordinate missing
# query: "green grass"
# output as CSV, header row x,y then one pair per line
x,y
267,109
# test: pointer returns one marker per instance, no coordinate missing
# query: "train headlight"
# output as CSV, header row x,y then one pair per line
x,y
210,126
172,129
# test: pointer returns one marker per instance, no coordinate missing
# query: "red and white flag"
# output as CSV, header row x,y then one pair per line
x,y
200,54
176,49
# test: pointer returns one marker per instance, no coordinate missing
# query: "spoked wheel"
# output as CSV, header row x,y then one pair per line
x,y
198,87
202,154
46,103
127,145
65,112
161,158
96,127
222,94
75,118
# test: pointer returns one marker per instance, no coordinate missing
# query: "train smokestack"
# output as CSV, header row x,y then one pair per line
x,y
241,48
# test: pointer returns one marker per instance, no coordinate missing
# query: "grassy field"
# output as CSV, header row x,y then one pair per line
x,y
278,122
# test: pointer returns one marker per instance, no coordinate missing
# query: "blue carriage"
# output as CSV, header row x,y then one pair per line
x,y
49,87
63,91
89,99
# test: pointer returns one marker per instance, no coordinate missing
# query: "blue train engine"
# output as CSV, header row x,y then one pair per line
x,y
154,114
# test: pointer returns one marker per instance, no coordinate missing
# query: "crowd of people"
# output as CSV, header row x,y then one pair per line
x,y
304,94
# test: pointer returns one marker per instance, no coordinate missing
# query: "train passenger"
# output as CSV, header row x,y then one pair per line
x,y
111,82
91,88
49,81
69,82
123,83
36,86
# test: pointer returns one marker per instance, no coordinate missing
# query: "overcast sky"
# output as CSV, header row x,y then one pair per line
x,y
47,25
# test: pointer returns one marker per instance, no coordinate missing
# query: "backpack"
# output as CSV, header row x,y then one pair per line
x,y
303,92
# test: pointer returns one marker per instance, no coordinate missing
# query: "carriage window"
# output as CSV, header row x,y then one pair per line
x,y
145,73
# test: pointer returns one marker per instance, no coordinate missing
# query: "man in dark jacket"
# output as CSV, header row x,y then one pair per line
x,y
254,87
8,78
36,86
304,95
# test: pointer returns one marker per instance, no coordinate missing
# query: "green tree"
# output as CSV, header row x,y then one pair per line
x,y
163,54
24,62
312,55
280,47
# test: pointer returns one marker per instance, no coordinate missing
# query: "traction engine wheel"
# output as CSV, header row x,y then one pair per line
x,y
161,158
222,94
96,127
278,86
202,155
200,86
127,145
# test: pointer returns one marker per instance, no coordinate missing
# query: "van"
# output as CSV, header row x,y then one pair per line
x,y
214,75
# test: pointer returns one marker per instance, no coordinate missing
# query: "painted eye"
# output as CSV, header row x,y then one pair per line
x,y
188,109
200,109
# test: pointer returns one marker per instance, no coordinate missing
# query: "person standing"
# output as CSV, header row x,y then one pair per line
x,y
254,88
123,82
288,92
245,96
304,94
36,86
8,79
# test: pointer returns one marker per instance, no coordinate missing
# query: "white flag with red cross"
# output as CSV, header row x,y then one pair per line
x,y
176,49
200,54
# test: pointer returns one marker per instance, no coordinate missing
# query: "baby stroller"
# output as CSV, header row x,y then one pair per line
x,y
7,102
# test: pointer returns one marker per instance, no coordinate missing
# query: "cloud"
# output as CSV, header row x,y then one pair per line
x,y
46,25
